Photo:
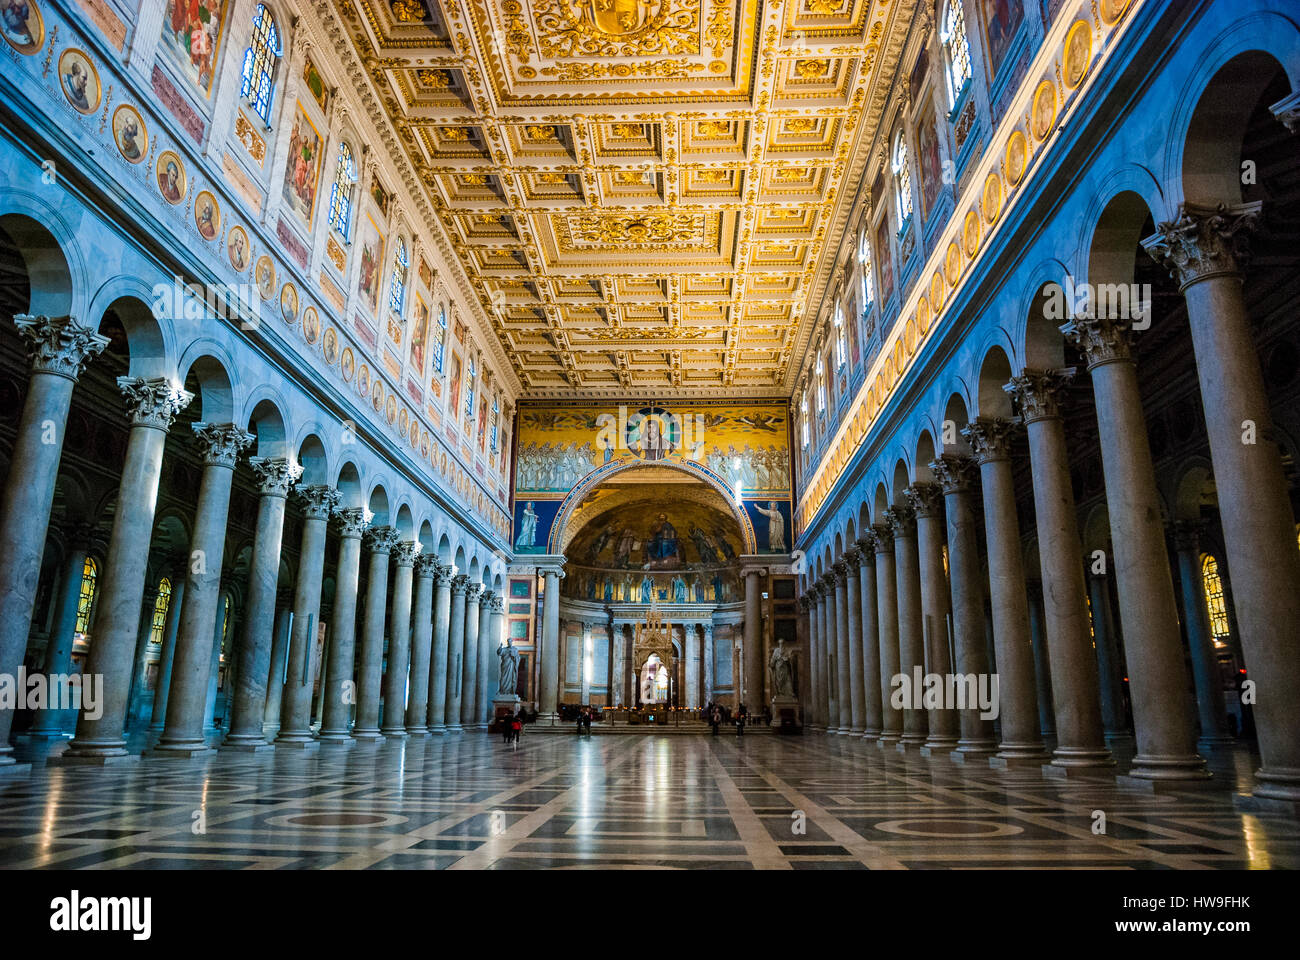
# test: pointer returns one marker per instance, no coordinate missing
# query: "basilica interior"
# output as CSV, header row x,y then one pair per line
x,y
518,434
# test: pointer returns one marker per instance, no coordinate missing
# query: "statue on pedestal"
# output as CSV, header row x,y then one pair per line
x,y
508,658
781,670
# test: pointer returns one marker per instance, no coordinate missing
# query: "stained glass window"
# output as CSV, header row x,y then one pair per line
x,y
1215,604
259,63
954,40
160,605
86,598
397,288
345,175
903,180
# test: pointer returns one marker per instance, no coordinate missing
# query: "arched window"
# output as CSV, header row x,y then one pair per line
x,y
841,351
902,181
958,50
803,418
345,176
821,385
260,61
496,413
86,597
469,390
440,346
864,261
397,288
1215,605
160,605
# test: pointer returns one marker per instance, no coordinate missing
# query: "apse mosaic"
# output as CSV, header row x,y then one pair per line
x,y
744,447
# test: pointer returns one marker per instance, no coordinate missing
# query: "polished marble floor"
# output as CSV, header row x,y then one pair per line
x,y
637,801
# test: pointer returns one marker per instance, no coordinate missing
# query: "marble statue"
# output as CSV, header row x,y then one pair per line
x,y
775,527
647,589
527,527
508,657
782,671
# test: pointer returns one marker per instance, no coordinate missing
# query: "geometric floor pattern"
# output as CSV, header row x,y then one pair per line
x,y
472,802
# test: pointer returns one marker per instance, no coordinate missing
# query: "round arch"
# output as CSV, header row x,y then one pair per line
x,y
612,469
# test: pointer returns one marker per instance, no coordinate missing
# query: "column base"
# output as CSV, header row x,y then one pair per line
x,y
1082,757
369,736
938,745
394,733
183,750
417,732
453,728
976,748
887,741
245,744
906,746
1184,769
1016,761
336,741
93,753
305,745
438,730
1149,786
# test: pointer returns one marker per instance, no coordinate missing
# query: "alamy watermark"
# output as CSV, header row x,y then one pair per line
x,y
193,301
945,691
1109,301
57,691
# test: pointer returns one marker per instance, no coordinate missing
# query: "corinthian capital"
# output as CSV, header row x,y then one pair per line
x,y
381,539
989,438
221,443
1039,392
953,472
472,592
426,565
442,574
498,605
459,583
902,520
884,535
867,547
275,475
805,602
153,402
925,498
352,522
1101,340
58,345
404,553
319,500
1204,241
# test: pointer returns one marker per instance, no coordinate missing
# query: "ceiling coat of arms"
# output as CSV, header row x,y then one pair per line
x,y
612,28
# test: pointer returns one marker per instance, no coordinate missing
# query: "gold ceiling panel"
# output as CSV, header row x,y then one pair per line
x,y
643,193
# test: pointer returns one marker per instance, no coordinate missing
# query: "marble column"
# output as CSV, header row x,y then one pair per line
x,y
1206,249
1161,701
870,631
167,655
59,349
808,675
926,499
584,695
487,662
1108,668
455,652
551,643
1021,744
911,640
279,662
223,620
380,542
617,668
891,718
753,678
497,631
442,574
843,659
1080,741
1200,639
830,630
152,405
853,636
340,688
691,654
319,501
417,707
1042,664
469,682
275,476
397,676
954,474
706,694
47,724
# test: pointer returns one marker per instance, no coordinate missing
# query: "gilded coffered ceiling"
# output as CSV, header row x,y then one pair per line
x,y
640,191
